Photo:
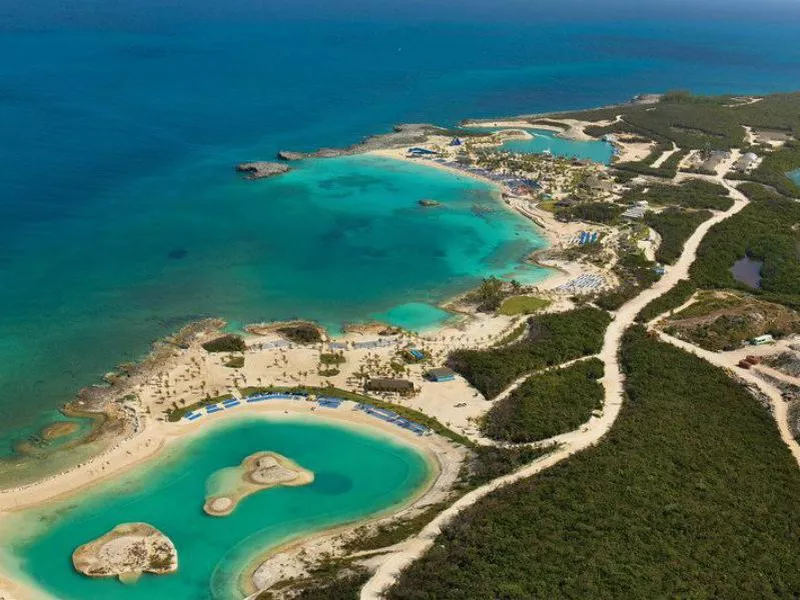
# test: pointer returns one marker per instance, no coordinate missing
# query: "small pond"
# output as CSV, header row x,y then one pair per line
x,y
748,271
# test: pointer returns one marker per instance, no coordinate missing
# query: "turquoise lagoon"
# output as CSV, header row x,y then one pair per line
x,y
357,475
544,141
120,218
336,240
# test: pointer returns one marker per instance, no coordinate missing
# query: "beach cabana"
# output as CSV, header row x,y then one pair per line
x,y
441,374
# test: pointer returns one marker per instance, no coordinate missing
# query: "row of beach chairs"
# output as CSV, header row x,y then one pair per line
x,y
392,417
324,401
584,282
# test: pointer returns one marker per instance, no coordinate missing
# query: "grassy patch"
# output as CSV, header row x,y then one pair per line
x,y
523,305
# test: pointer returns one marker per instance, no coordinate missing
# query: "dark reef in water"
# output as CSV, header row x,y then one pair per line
x,y
177,254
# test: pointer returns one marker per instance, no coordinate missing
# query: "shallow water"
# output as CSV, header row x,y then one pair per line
x,y
543,141
748,271
120,218
357,475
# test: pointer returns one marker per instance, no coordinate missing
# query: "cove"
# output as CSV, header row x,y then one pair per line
x,y
547,141
337,240
357,475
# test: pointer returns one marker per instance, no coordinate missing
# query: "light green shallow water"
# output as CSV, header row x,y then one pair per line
x,y
338,240
356,475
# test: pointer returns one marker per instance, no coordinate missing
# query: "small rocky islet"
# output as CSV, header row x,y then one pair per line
x,y
127,551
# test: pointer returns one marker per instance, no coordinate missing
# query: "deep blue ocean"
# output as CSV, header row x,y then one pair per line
x,y
121,218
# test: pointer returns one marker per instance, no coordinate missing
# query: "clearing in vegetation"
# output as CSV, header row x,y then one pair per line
x,y
725,320
523,305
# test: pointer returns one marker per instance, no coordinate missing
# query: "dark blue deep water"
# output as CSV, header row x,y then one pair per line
x,y
121,218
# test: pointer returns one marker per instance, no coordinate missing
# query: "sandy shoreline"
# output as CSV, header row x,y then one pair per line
x,y
455,404
432,448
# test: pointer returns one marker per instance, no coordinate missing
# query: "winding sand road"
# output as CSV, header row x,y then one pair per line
x,y
588,435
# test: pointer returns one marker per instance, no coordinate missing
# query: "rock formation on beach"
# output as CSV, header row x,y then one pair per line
x,y
258,472
406,134
262,170
127,551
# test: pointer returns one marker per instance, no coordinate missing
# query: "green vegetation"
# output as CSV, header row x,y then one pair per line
x,y
768,229
329,372
591,212
330,358
635,273
547,404
674,225
331,580
695,193
490,462
668,169
522,305
403,411
489,294
671,300
551,340
724,320
176,413
512,336
225,343
707,123
235,362
691,495
393,532
301,333
772,170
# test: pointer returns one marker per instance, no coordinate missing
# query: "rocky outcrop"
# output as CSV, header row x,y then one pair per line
x,y
262,170
429,203
127,551
407,134
258,472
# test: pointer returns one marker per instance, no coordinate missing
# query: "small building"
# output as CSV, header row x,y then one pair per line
x,y
635,212
746,162
715,159
441,375
762,339
456,141
385,384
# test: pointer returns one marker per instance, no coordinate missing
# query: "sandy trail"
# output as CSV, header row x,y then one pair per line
x,y
573,442
780,408
664,156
